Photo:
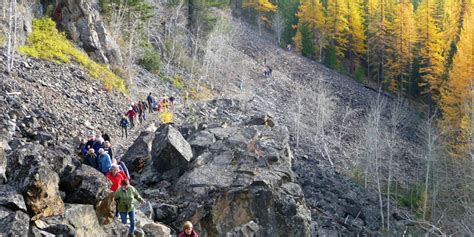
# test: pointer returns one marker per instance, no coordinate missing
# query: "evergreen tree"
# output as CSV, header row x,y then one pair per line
x,y
311,28
458,95
377,39
430,51
263,7
288,9
355,34
338,26
402,44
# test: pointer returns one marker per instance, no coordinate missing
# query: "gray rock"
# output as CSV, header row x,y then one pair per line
x,y
83,24
201,141
165,213
14,223
171,152
11,199
157,229
139,153
85,185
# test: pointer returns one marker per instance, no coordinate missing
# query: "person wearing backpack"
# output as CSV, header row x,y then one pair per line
x,y
126,197
150,100
124,125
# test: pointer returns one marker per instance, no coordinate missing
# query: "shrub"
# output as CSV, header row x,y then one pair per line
x,y
359,74
47,43
151,61
176,81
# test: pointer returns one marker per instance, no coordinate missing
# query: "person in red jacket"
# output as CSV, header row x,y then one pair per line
x,y
131,116
188,230
116,176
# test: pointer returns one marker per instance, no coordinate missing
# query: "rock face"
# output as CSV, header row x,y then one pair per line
x,y
171,152
82,22
139,154
85,185
11,199
36,180
13,223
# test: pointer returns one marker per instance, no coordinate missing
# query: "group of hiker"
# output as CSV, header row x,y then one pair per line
x,y
96,151
137,112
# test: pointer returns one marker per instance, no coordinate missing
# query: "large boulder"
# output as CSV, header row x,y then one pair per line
x,y
105,209
10,198
83,24
13,223
78,220
171,152
157,229
139,154
41,193
85,185
30,170
275,211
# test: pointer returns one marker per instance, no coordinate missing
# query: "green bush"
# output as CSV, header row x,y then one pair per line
x,y
359,74
47,43
176,81
151,61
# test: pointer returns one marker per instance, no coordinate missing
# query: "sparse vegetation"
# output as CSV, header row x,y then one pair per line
x,y
151,61
176,80
47,43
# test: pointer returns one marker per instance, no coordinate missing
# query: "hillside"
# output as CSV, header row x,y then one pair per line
x,y
306,151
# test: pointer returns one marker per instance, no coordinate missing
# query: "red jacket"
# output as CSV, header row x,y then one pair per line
x,y
193,234
116,180
131,113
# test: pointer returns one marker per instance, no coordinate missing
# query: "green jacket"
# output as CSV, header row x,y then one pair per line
x,y
126,199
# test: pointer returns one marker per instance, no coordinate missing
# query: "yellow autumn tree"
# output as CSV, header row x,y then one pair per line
x,y
403,31
457,98
377,39
338,26
262,7
355,33
431,56
311,18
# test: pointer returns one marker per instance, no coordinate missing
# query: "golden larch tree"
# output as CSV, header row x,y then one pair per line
x,y
403,31
338,26
457,98
311,14
431,56
355,34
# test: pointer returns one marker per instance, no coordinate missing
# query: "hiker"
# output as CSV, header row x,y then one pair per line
x,y
98,144
103,162
144,108
265,71
122,165
108,149
270,72
154,106
171,99
139,112
159,106
124,126
116,176
150,100
90,141
91,159
105,136
81,146
126,197
165,104
131,115
289,47
188,230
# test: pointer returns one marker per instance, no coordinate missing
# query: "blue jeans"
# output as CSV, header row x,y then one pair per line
x,y
131,215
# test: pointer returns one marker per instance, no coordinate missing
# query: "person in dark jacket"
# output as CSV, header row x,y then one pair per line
x,y
105,136
90,142
150,100
91,159
81,146
124,126
188,230
171,99
108,148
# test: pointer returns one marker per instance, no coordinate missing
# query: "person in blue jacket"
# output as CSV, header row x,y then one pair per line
x,y
104,161
98,144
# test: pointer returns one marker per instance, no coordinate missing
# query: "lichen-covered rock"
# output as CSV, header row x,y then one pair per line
x,y
85,185
171,152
